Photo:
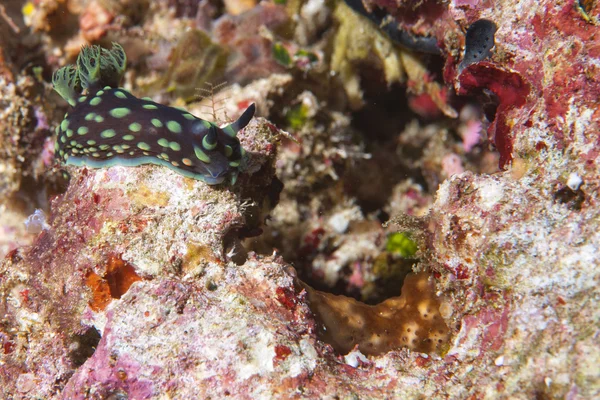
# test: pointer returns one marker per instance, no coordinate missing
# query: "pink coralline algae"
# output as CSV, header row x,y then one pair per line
x,y
536,69
512,92
542,61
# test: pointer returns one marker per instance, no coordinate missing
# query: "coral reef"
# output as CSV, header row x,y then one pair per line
x,y
98,268
452,192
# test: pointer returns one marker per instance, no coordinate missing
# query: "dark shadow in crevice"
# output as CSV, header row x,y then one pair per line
x,y
84,346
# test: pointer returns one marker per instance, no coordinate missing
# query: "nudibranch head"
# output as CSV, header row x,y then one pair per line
x,y
109,126
479,42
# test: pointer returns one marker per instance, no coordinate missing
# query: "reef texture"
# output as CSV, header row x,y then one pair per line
x,y
140,285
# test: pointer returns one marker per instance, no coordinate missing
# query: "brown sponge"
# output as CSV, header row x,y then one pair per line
x,y
411,320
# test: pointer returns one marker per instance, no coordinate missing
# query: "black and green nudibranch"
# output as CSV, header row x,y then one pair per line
x,y
109,126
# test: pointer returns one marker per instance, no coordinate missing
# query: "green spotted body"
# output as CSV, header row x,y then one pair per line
x,y
109,126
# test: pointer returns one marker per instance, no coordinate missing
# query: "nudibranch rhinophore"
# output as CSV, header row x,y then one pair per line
x,y
109,126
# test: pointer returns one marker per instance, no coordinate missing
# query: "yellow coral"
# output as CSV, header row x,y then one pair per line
x,y
28,9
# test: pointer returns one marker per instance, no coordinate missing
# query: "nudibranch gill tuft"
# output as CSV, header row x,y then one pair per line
x,y
109,126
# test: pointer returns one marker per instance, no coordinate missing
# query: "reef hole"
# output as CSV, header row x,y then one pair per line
x,y
114,283
83,346
351,171
411,140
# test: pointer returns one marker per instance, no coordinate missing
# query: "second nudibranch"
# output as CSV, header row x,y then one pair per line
x,y
109,126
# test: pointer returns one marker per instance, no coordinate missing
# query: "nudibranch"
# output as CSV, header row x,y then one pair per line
x,y
109,126
479,42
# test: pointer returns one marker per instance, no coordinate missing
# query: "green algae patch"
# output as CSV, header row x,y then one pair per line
x,y
281,55
297,116
400,243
